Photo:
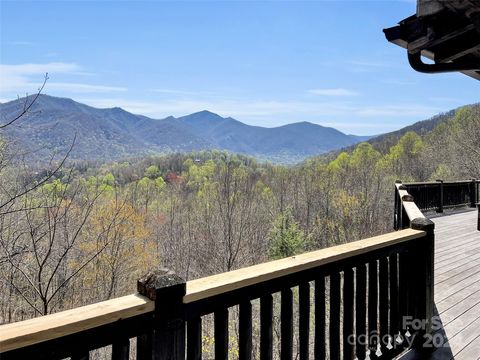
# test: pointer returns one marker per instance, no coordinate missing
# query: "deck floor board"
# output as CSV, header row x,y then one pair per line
x,y
457,285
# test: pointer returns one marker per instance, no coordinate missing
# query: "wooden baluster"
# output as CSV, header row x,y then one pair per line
x,y
383,299
144,347
121,350
394,294
245,331
221,333
334,316
395,209
286,348
320,318
81,356
403,287
167,290
414,285
372,307
360,315
348,296
304,320
194,339
266,329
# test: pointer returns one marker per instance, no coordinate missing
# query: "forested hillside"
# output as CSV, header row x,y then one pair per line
x,y
113,133
84,233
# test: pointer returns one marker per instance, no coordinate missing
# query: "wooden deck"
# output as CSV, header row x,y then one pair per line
x,y
457,286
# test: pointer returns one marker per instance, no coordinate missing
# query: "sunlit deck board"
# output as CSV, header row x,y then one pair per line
x,y
457,284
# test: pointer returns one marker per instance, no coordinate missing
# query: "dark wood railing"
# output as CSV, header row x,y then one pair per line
x,y
440,195
353,299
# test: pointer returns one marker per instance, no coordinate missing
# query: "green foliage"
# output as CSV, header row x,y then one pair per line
x,y
402,158
54,188
199,175
340,164
364,157
286,238
146,184
214,211
160,183
442,172
108,180
152,172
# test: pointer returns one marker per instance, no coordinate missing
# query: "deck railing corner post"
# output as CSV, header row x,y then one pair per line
x,y
425,263
167,289
397,208
473,193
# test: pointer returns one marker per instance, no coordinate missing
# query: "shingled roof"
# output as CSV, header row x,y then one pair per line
x,y
445,31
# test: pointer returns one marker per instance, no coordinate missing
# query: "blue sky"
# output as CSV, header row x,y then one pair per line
x,y
265,63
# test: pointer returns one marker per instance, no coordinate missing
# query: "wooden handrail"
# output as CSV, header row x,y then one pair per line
x,y
412,210
33,331
225,282
445,182
28,332
413,198
170,309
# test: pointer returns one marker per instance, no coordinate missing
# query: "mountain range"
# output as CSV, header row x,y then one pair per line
x,y
111,134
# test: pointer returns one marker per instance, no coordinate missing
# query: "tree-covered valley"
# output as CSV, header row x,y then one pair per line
x,y
77,232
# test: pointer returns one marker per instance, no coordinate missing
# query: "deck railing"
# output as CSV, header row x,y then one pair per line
x,y
440,195
372,297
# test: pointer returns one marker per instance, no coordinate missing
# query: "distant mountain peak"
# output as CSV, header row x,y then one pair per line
x,y
114,133
204,118
204,114
304,123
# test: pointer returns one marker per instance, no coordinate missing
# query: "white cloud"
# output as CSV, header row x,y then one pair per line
x,y
175,92
270,112
20,78
83,88
336,107
369,63
363,119
398,110
443,99
365,66
35,69
397,82
362,127
333,92
235,108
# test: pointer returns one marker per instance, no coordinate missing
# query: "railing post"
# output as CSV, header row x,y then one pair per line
x,y
398,207
473,193
425,276
404,221
440,197
168,335
478,221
